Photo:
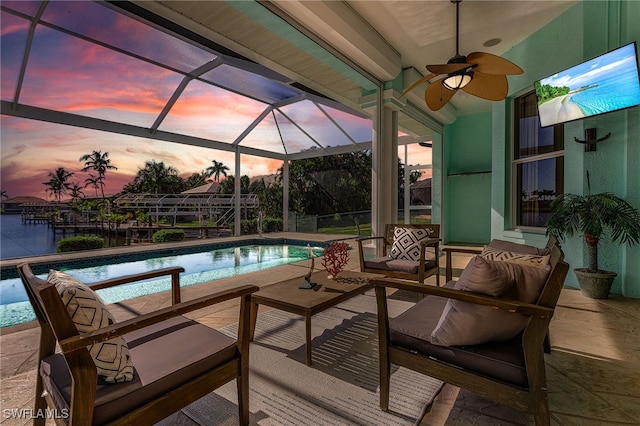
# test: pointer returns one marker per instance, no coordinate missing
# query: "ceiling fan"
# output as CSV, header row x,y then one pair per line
x,y
480,74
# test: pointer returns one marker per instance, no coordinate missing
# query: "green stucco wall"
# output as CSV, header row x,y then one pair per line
x,y
467,179
587,29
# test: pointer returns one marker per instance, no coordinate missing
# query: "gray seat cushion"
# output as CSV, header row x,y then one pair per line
x,y
399,265
164,356
500,360
518,248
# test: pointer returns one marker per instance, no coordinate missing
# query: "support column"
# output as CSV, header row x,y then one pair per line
x,y
386,165
437,184
285,195
237,229
384,178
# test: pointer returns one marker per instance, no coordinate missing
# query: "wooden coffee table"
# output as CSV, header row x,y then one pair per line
x,y
286,296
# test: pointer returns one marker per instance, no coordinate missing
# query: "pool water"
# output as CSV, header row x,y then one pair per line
x,y
199,267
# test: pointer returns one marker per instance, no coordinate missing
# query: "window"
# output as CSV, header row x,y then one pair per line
x,y
538,164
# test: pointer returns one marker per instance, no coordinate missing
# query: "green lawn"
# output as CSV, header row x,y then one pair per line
x,y
365,229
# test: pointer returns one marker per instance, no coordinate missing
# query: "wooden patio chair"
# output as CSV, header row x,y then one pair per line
x,y
410,252
171,361
510,372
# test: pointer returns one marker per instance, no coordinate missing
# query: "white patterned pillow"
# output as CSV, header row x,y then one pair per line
x,y
491,253
406,242
88,312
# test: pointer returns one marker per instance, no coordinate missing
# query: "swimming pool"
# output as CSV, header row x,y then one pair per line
x,y
214,263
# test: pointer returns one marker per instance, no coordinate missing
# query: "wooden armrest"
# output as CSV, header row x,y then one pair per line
x,y
360,248
173,271
430,242
359,240
508,305
118,329
452,249
471,250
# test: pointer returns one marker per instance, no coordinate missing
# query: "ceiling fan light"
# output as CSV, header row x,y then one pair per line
x,y
457,81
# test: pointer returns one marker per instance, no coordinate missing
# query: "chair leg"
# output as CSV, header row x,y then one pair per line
x,y
243,397
541,413
547,344
385,381
40,403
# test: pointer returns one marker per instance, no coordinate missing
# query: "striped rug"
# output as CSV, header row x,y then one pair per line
x,y
340,388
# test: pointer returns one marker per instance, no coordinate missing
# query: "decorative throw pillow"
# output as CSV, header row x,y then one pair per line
x,y
491,253
406,242
463,323
88,312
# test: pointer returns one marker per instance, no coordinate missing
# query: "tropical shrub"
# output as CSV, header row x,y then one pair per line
x,y
167,235
592,216
79,243
269,224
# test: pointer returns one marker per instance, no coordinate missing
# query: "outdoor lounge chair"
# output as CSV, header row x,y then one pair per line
x,y
410,251
434,338
155,364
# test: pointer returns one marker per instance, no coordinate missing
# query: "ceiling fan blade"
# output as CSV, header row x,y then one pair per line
x,y
488,86
417,83
492,64
437,95
447,68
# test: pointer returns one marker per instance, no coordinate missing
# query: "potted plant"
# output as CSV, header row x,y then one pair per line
x,y
591,216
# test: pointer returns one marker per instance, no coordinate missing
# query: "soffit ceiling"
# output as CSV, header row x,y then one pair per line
x,y
381,37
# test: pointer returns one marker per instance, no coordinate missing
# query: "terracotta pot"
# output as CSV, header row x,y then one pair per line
x,y
595,285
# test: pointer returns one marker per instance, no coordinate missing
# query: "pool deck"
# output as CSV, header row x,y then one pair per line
x,y
593,371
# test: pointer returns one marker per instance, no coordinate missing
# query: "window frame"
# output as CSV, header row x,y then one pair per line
x,y
515,162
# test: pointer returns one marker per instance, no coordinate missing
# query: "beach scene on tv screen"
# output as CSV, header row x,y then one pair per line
x,y
603,84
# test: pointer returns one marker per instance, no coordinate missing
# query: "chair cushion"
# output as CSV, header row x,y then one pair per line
x,y
398,265
515,257
463,323
406,242
518,248
501,360
88,312
165,355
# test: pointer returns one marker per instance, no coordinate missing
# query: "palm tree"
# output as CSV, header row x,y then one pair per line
x,y
93,181
100,163
57,183
75,190
155,178
216,170
227,186
196,180
592,215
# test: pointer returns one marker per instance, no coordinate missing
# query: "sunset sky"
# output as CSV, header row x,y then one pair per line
x,y
71,74
31,149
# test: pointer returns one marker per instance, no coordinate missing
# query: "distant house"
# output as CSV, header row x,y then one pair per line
x,y
19,204
421,193
207,188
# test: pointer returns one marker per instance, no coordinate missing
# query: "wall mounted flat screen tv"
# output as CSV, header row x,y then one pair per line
x,y
603,84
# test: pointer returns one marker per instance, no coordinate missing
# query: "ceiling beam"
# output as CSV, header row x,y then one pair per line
x,y
342,27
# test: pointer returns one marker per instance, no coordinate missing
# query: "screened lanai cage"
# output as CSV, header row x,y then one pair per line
x,y
117,69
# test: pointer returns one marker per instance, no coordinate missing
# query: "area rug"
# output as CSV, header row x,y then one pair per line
x,y
339,388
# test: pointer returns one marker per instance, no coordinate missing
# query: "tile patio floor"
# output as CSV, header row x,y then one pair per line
x,y
593,372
